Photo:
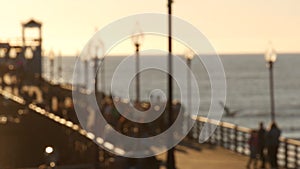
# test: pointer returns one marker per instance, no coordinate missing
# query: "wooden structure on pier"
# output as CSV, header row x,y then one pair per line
x,y
22,59
24,133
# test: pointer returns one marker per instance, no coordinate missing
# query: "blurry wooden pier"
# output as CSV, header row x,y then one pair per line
x,y
36,112
226,147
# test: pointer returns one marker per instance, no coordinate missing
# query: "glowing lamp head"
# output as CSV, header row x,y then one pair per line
x,y
51,55
189,55
137,37
271,55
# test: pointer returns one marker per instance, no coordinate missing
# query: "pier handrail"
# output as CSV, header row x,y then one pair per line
x,y
61,121
235,138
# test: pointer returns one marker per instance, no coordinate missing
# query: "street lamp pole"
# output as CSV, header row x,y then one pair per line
x,y
96,72
86,73
189,56
170,154
272,92
51,57
270,58
137,68
98,48
137,39
60,67
103,75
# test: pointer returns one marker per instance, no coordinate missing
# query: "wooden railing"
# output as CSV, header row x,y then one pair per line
x,y
62,121
235,138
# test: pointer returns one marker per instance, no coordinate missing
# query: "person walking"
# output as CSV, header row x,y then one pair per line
x,y
262,144
253,144
273,144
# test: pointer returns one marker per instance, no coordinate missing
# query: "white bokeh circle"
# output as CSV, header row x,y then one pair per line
x,y
110,139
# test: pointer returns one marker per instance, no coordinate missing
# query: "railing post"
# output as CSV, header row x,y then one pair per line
x,y
236,138
221,134
209,129
226,133
217,135
244,142
285,153
296,156
199,127
190,134
195,130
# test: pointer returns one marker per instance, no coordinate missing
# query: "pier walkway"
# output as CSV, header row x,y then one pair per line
x,y
207,157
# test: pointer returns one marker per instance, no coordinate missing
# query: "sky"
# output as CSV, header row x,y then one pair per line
x,y
232,26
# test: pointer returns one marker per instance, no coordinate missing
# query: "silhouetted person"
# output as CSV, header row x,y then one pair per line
x,y
273,144
253,144
262,143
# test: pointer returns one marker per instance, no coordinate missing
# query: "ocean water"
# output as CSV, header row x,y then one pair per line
x,y
247,81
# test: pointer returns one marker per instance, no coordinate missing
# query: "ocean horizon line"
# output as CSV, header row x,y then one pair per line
x,y
221,54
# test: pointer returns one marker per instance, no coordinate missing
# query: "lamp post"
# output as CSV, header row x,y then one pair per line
x,y
103,75
189,56
51,58
170,154
98,48
86,73
270,58
137,39
60,79
96,73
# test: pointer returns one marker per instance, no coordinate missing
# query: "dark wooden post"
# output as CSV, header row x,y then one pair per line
x,y
209,131
195,130
222,134
286,149
296,156
236,141
226,132
219,135
199,126
245,142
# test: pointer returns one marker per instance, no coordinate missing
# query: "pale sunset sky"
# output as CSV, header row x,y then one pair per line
x,y
232,26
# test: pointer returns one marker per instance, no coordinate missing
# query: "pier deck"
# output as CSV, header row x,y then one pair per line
x,y
208,157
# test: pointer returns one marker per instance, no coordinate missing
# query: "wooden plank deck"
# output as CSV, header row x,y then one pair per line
x,y
206,157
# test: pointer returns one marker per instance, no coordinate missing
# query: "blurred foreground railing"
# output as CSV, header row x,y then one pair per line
x,y
235,138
